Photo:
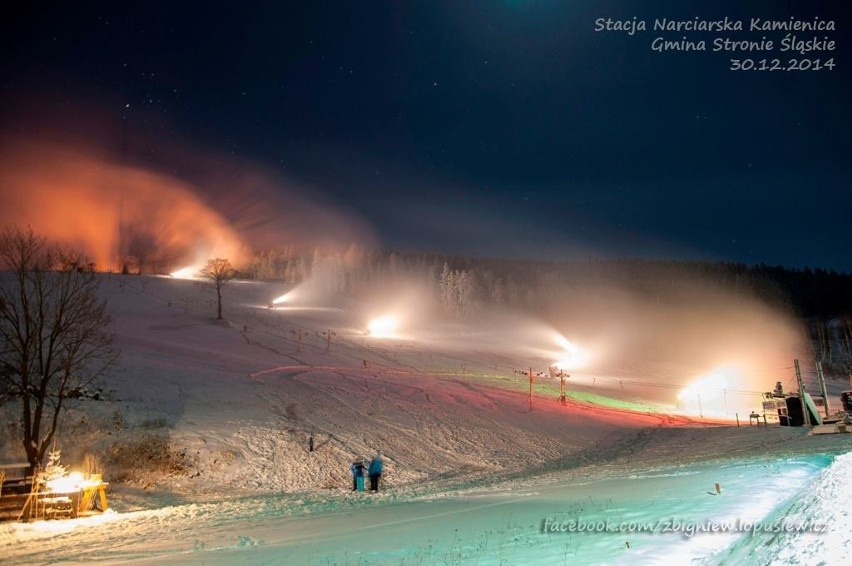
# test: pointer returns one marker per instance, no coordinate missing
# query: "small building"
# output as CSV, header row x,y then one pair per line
x,y
787,407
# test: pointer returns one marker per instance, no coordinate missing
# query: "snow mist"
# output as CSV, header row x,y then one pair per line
x,y
707,349
137,217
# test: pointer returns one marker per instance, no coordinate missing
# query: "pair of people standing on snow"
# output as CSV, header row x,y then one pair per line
x,y
374,471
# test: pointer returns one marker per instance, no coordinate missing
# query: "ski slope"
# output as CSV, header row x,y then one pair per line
x,y
474,473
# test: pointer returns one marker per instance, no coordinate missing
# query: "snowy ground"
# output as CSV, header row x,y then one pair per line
x,y
472,474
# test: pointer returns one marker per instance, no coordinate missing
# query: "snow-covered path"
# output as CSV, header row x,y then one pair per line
x,y
655,517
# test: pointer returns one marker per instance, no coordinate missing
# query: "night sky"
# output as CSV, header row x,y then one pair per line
x,y
489,128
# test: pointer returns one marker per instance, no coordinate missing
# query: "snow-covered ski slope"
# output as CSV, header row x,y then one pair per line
x,y
473,475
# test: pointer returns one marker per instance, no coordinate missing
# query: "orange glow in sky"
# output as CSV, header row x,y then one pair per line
x,y
116,214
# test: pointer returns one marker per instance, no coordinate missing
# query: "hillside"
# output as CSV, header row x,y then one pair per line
x,y
204,438
208,405
212,404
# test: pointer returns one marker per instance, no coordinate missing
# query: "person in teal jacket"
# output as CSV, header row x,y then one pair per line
x,y
375,472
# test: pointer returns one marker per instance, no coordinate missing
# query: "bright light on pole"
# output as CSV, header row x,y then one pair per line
x,y
572,357
709,392
189,272
282,299
383,327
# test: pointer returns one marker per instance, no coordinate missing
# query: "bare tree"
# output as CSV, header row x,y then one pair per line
x,y
219,272
55,333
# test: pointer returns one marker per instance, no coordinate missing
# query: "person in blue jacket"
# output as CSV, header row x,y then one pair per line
x,y
357,475
375,472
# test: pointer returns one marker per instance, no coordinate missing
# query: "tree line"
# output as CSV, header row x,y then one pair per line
x,y
463,283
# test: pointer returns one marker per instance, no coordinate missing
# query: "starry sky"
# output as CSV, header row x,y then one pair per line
x,y
487,128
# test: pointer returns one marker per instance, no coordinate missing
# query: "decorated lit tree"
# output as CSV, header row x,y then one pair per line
x,y
53,470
